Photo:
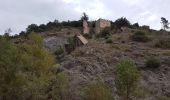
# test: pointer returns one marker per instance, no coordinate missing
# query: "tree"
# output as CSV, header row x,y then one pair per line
x,y
10,66
32,28
8,30
25,69
85,17
121,22
42,28
22,33
136,25
7,33
127,77
165,23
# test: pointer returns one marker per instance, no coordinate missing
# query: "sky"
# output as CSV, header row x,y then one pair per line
x,y
18,14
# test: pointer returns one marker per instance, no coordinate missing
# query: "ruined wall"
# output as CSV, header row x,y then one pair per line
x,y
85,27
101,24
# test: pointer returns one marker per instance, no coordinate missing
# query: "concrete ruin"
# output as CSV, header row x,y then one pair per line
x,y
101,24
96,27
85,27
80,40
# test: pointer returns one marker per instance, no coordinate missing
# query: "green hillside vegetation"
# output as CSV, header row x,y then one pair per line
x,y
25,70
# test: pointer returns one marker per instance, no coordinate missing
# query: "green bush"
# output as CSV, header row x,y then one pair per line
x,y
97,91
104,33
163,43
109,41
153,62
59,52
139,37
126,80
60,87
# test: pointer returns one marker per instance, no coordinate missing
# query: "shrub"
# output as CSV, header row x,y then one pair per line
x,y
60,87
59,52
122,22
163,98
97,91
104,33
126,80
153,62
139,37
163,43
109,41
88,36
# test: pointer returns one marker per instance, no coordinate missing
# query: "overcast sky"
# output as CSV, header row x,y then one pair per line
x,y
18,14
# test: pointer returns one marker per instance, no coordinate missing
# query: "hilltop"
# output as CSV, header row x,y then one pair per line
x,y
89,51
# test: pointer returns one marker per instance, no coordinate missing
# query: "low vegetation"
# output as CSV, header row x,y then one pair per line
x,y
109,41
97,91
88,36
59,53
59,87
127,78
139,37
163,43
153,62
104,34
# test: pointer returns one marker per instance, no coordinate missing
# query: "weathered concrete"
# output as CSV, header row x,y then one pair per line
x,y
101,24
85,27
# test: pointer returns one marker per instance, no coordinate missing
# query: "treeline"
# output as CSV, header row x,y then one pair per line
x,y
43,27
117,24
51,25
56,24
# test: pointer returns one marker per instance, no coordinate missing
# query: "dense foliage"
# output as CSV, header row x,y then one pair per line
x,y
25,70
122,22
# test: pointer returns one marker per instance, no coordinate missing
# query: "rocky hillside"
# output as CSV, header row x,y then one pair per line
x,y
97,61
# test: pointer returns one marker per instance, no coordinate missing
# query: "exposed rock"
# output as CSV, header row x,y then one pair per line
x,y
53,43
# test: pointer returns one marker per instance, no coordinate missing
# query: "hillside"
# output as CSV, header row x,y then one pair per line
x,y
97,61
66,61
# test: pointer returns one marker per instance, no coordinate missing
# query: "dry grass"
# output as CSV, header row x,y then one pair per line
x,y
166,52
121,47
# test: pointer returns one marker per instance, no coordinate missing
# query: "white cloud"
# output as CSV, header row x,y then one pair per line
x,y
145,13
131,2
69,1
18,14
152,18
